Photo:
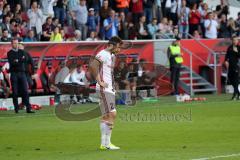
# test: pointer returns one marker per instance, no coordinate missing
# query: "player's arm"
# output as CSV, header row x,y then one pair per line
x,y
94,67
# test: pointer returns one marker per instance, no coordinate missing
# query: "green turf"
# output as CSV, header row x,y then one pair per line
x,y
212,129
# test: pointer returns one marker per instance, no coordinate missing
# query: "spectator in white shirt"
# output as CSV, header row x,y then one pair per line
x,y
78,77
80,14
183,22
211,27
71,4
47,8
35,19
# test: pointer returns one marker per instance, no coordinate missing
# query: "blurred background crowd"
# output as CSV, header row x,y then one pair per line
x,y
91,20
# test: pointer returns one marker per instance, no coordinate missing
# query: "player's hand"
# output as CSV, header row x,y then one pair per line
x,y
226,64
103,84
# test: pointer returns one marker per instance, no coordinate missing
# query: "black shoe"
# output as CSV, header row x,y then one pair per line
x,y
73,102
88,100
30,112
233,97
16,111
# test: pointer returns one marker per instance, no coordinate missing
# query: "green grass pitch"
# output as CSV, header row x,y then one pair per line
x,y
163,130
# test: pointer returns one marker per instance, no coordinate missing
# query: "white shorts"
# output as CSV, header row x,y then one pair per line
x,y
107,102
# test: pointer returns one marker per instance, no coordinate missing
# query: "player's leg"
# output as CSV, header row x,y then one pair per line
x,y
107,123
107,105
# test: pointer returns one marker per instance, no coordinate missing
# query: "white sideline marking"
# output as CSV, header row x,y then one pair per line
x,y
222,156
25,116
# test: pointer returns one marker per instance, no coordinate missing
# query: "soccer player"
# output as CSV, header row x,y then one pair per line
x,y
102,69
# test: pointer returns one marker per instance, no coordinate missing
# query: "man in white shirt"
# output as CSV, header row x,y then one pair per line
x,y
78,77
47,8
80,14
102,69
35,16
211,27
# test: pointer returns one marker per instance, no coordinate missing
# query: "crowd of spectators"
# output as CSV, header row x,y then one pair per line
x,y
91,20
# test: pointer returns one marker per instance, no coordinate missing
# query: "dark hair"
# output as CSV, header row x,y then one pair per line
x,y
154,19
55,18
13,20
4,30
142,60
115,40
14,39
30,30
177,38
48,18
34,2
5,16
234,36
79,65
5,6
209,13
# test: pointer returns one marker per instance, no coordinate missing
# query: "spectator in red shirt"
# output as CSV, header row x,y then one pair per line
x,y
194,19
122,6
137,10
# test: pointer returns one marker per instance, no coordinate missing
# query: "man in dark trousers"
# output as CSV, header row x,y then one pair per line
x,y
29,66
176,60
16,59
232,60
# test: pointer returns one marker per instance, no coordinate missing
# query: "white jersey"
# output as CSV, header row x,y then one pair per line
x,y
106,69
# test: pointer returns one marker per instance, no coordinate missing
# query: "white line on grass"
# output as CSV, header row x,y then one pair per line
x,y
25,116
216,157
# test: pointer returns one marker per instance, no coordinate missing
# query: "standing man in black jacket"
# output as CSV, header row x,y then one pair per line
x,y
16,59
232,61
29,66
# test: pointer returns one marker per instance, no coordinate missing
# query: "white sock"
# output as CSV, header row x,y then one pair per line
x,y
103,133
106,131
